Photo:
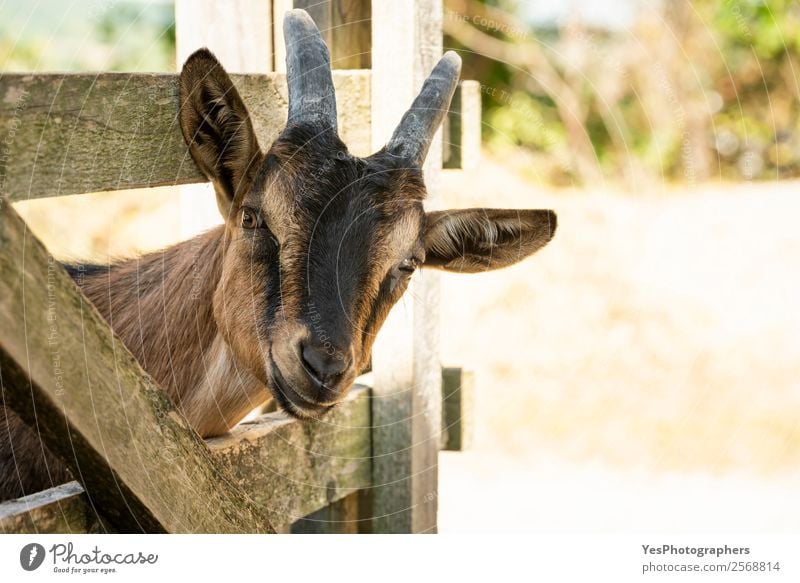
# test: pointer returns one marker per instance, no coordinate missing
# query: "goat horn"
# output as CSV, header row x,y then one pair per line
x,y
414,134
308,72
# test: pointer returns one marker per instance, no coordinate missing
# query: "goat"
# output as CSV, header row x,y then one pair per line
x,y
284,299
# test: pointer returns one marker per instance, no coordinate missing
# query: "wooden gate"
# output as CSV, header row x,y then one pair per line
x,y
369,466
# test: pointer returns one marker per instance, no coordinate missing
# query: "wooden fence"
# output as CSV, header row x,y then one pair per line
x,y
371,465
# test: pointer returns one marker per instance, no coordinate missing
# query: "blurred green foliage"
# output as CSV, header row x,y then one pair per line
x,y
688,91
757,78
98,35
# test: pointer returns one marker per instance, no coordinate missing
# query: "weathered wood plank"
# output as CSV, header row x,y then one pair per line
x,y
351,42
457,408
238,32
406,43
293,468
290,467
76,133
321,12
462,135
392,354
340,517
65,373
63,509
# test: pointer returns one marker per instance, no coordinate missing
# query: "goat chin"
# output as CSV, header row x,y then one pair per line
x,y
291,402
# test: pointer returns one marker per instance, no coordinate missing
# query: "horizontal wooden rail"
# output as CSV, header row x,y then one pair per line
x,y
74,133
289,467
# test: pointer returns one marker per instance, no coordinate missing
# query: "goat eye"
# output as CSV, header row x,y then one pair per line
x,y
408,265
249,218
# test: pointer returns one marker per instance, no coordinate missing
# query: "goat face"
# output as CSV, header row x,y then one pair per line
x,y
319,244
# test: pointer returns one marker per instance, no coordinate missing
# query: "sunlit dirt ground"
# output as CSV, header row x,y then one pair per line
x,y
640,373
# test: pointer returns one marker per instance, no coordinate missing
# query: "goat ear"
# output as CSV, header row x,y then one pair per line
x,y
217,127
475,240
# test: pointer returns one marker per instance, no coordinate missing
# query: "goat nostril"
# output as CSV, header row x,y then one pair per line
x,y
324,365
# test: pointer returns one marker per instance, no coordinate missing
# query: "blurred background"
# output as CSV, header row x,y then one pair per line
x,y
642,372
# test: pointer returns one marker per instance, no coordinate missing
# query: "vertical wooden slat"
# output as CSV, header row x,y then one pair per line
x,y
462,136
239,33
344,25
351,46
279,9
406,43
345,28
341,517
321,12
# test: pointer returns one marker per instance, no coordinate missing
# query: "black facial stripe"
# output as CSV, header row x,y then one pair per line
x,y
272,295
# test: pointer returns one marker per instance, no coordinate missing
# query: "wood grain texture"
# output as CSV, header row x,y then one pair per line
x,y
238,32
279,9
427,387
66,374
294,468
406,44
75,133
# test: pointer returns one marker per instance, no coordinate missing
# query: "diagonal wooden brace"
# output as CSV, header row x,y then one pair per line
x,y
66,374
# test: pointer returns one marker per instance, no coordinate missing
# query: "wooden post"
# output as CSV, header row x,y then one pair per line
x,y
63,509
344,25
462,136
286,467
239,33
66,118
406,43
340,517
